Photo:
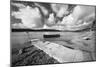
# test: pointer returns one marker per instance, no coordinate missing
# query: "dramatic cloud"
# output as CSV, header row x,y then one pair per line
x,y
60,9
39,16
29,16
85,13
43,9
81,17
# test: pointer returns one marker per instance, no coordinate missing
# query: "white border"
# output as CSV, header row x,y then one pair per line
x,y
5,33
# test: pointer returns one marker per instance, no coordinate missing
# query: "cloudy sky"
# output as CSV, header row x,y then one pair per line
x,y
33,15
43,15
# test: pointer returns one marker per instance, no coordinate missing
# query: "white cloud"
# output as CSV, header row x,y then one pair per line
x,y
60,9
29,16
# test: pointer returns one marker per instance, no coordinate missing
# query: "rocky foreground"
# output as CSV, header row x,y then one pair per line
x,y
31,56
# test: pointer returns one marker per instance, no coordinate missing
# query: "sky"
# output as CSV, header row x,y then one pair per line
x,y
46,15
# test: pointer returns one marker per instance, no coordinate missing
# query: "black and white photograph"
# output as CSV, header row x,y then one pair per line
x,y
45,33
